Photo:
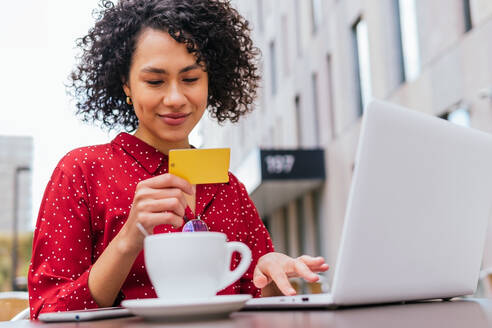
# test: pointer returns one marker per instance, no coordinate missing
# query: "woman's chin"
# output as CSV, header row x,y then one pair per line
x,y
175,138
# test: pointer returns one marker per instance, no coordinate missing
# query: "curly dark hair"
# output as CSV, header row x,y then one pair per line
x,y
212,30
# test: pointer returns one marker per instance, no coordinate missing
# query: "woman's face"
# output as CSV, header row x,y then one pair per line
x,y
169,90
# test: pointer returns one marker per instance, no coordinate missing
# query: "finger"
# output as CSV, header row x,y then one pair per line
x,y
321,268
282,282
162,205
144,196
168,180
314,263
303,271
309,260
259,279
149,193
151,220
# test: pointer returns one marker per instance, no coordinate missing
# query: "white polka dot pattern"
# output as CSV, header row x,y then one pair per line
x,y
87,201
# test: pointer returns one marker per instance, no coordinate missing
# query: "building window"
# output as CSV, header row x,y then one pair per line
x,y
399,45
409,39
297,102
285,44
316,14
297,12
262,97
259,7
316,197
301,224
278,228
467,15
273,68
314,82
362,63
331,107
286,230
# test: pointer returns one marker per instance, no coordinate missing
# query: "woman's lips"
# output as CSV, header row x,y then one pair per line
x,y
174,119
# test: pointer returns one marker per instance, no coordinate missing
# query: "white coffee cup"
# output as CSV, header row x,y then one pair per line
x,y
189,265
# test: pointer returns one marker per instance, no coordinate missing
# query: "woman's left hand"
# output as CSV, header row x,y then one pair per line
x,y
279,268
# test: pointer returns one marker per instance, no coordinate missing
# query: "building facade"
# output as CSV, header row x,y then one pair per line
x,y
16,157
322,61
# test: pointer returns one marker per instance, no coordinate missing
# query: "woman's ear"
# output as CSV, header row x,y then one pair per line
x,y
126,89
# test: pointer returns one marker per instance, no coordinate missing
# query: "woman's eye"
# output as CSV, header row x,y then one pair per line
x,y
154,82
190,80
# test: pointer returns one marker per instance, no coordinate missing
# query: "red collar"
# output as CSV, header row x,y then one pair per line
x,y
147,156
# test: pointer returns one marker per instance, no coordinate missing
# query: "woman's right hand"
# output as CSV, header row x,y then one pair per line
x,y
158,200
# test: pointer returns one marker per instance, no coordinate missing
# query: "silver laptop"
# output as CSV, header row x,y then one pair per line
x,y
416,216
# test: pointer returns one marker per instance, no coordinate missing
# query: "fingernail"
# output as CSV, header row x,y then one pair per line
x,y
292,291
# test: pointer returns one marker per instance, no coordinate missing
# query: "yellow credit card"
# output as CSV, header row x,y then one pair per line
x,y
200,166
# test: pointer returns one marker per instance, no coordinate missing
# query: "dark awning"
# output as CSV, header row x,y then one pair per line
x,y
275,177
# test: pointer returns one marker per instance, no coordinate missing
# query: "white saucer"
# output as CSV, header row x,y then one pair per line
x,y
161,309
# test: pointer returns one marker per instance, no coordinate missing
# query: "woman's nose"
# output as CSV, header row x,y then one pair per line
x,y
174,96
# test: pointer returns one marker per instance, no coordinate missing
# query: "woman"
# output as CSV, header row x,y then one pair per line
x,y
153,67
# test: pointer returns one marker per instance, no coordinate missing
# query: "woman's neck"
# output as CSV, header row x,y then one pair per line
x,y
159,144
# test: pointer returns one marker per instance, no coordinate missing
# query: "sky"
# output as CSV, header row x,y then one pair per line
x,y
37,50
37,54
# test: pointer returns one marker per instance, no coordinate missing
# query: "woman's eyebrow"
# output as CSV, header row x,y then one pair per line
x,y
189,68
151,69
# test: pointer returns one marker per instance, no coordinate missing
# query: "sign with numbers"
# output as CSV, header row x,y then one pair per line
x,y
292,164
273,178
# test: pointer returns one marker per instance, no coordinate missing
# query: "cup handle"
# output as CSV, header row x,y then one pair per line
x,y
232,276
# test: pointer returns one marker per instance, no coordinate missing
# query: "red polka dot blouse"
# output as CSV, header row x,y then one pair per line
x,y
87,201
